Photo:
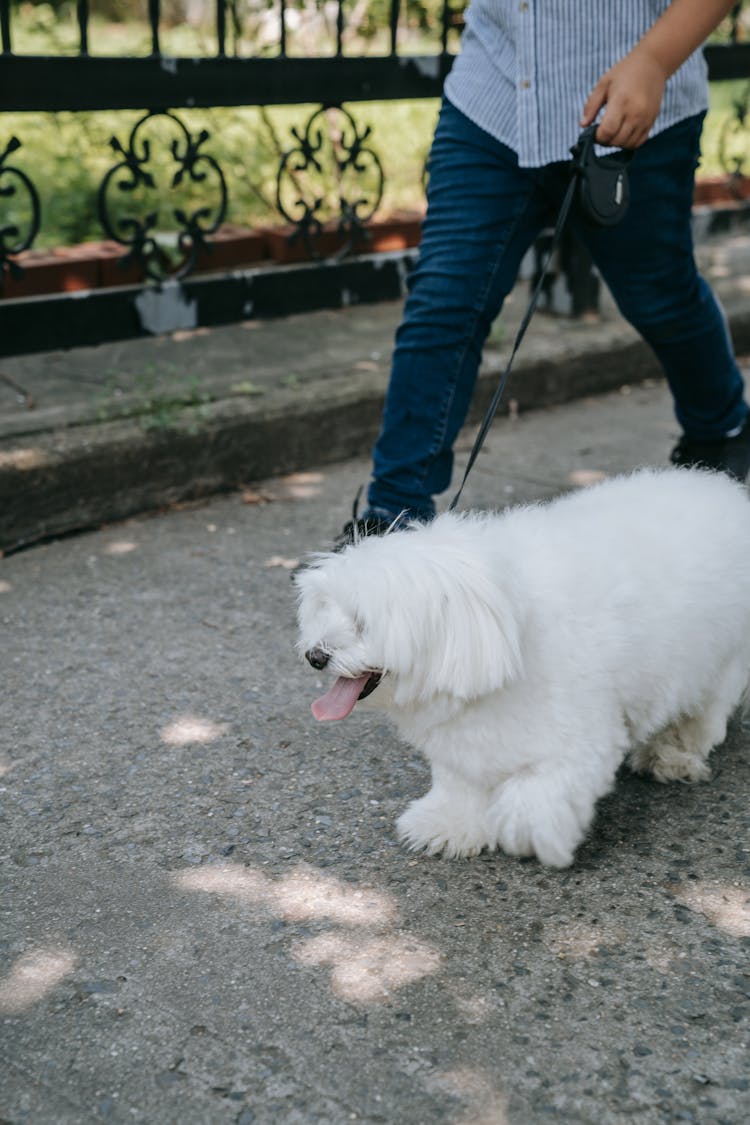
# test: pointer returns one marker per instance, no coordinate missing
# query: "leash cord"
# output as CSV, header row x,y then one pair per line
x,y
492,408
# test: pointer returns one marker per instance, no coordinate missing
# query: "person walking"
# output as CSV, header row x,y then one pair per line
x,y
530,75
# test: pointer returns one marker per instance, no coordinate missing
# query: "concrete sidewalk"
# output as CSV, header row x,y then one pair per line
x,y
206,916
97,434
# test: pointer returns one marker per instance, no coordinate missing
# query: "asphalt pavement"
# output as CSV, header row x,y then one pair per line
x,y
206,916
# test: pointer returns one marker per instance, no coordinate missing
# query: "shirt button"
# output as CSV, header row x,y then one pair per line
x,y
523,7
525,83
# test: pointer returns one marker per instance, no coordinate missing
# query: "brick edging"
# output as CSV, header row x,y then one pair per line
x,y
96,265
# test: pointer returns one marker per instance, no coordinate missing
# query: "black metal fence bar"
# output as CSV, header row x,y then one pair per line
x,y
282,28
445,26
735,20
5,26
49,84
39,83
221,27
728,61
340,28
154,17
82,14
393,25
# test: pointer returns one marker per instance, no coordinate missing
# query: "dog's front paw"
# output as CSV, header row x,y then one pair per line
x,y
442,824
528,818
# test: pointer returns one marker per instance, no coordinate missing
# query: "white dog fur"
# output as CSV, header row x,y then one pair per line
x,y
527,653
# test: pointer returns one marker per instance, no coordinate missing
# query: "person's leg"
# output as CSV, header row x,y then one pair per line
x,y
482,214
649,266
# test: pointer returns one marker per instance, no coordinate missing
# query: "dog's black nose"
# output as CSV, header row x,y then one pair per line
x,y
318,657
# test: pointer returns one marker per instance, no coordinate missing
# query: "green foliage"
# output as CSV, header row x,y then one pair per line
x,y
727,118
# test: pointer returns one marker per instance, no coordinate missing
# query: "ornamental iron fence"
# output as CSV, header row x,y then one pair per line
x,y
329,175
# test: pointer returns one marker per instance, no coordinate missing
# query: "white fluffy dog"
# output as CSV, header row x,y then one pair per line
x,y
527,653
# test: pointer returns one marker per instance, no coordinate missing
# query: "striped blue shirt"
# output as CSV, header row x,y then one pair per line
x,y
526,68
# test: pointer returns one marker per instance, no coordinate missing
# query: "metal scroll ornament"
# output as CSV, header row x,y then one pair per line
x,y
22,219
330,184
142,198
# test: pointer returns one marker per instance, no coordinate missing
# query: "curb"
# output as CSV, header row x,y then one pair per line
x,y
80,477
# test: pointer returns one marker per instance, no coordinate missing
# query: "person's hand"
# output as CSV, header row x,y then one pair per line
x,y
632,92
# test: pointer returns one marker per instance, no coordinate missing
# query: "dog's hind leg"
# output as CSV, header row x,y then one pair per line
x,y
451,818
681,751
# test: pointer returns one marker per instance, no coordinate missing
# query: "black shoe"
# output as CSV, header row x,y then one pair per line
x,y
360,527
366,525
730,455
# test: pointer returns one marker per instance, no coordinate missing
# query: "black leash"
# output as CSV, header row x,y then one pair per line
x,y
603,198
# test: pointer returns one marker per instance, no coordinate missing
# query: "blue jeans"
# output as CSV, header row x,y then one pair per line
x,y
483,212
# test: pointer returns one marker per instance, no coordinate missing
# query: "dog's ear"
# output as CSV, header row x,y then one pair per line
x,y
450,629
481,638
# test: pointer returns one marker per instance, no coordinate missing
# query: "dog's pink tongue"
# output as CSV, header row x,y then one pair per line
x,y
339,701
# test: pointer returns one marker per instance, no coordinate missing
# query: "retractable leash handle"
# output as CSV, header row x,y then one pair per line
x,y
603,191
600,186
